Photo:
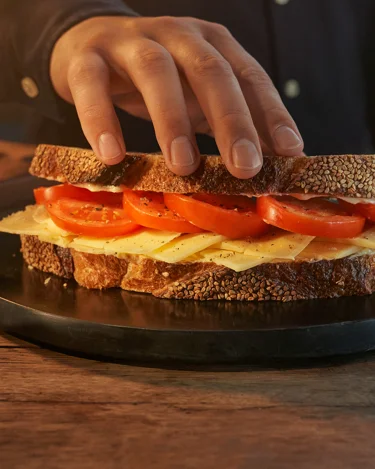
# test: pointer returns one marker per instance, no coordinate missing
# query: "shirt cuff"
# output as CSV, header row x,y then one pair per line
x,y
34,43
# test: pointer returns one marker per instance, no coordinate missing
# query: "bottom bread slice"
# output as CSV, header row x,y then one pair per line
x,y
284,281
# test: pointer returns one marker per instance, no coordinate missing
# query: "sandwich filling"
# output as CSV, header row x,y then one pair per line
x,y
237,232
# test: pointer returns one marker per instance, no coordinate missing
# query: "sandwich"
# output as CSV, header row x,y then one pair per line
x,y
302,228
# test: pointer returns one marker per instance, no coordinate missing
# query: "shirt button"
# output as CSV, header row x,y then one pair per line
x,y
29,87
282,2
292,89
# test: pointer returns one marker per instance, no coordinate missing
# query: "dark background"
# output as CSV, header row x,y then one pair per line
x,y
13,119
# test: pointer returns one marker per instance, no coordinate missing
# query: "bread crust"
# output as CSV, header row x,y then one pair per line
x,y
336,175
283,281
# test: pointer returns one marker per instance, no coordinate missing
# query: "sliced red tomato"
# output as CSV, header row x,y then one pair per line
x,y
51,194
366,210
231,216
148,209
314,217
90,219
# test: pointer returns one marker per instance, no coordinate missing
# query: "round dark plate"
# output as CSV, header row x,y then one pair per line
x,y
115,324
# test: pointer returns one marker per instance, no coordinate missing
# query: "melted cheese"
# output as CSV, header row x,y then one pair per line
x,y
99,188
357,200
350,200
185,246
276,244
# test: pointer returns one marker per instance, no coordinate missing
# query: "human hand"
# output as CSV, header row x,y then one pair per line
x,y
186,75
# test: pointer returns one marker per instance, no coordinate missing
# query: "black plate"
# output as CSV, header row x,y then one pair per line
x,y
115,324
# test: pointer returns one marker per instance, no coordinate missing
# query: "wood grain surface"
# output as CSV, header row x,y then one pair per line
x,y
59,411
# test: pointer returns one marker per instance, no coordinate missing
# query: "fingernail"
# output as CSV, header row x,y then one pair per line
x,y
245,155
182,152
109,148
286,138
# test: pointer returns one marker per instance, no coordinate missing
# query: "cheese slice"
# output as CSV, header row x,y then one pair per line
x,y
364,252
23,223
277,244
78,245
54,229
237,255
62,241
142,242
41,216
100,188
233,260
325,250
185,246
365,239
26,223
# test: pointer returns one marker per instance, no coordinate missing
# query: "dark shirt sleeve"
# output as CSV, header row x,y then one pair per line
x,y
28,32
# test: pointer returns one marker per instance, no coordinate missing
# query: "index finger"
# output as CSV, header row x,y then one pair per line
x,y
88,80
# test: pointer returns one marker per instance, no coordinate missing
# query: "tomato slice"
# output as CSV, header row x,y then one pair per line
x,y
90,219
148,209
231,216
314,217
366,210
51,194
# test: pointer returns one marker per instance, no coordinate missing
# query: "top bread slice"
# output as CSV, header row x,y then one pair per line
x,y
335,175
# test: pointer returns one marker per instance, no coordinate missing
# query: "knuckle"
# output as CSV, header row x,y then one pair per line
x,y
220,30
82,69
255,77
211,65
176,28
96,115
192,20
150,59
212,27
94,112
170,22
235,118
185,22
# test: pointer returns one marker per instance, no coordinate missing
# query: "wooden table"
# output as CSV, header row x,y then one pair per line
x,y
58,411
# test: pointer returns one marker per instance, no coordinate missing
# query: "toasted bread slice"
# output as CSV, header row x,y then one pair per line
x,y
336,175
282,281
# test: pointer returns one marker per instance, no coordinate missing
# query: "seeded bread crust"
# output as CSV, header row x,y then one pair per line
x,y
335,175
284,281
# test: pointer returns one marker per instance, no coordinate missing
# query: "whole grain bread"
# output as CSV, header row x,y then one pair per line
x,y
284,281
335,175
